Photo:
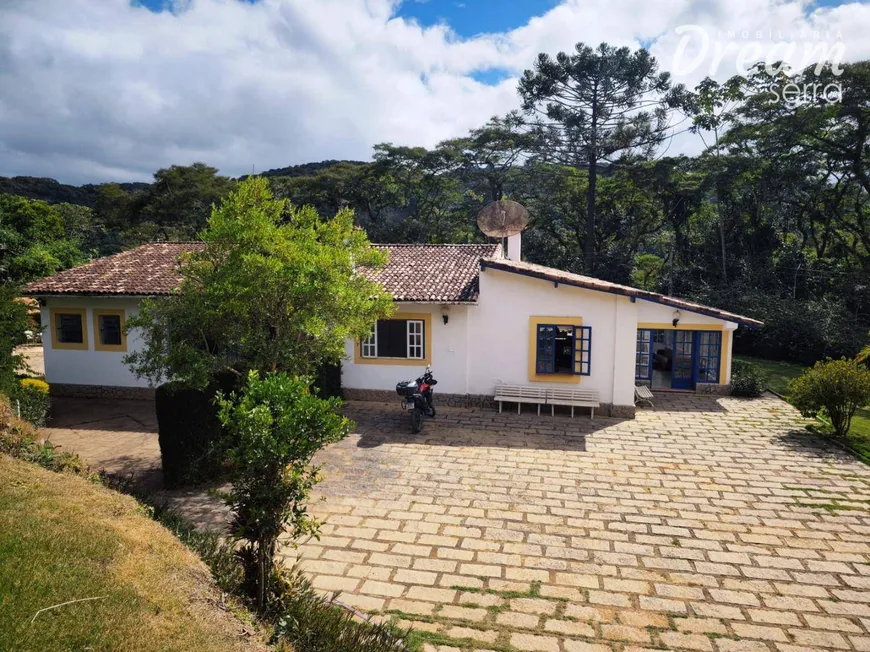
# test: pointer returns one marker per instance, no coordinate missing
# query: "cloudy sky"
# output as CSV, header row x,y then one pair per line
x,y
98,90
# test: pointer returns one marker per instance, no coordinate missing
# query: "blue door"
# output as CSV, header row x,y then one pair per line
x,y
683,368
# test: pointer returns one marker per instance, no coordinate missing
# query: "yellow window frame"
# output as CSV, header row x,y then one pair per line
x,y
426,318
99,346
69,346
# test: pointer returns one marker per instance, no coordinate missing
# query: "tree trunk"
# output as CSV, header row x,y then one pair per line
x,y
261,579
722,237
592,169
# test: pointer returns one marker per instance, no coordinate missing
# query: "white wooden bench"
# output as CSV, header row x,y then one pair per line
x,y
642,393
574,398
520,394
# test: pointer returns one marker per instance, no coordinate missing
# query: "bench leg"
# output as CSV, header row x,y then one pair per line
x,y
539,409
499,407
519,406
552,410
593,414
572,411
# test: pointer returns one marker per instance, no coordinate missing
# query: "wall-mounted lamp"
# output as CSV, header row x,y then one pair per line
x,y
445,314
676,318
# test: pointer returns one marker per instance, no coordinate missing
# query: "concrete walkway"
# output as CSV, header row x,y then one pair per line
x,y
710,524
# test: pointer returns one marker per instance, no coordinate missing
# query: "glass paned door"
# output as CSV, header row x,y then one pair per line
x,y
681,377
643,355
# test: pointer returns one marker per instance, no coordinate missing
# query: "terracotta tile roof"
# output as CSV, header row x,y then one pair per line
x,y
588,282
443,273
150,269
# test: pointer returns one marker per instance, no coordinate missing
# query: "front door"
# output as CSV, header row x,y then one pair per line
x,y
683,364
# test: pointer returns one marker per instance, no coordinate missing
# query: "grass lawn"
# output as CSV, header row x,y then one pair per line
x,y
63,538
779,373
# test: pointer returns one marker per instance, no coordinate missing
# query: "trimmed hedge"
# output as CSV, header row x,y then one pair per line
x,y
327,383
189,432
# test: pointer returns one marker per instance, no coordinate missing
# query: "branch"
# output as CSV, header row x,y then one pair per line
x,y
55,606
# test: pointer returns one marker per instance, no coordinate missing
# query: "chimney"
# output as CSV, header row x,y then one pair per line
x,y
513,247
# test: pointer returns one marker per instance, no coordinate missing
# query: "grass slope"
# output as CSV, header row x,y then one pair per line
x,y
780,373
63,538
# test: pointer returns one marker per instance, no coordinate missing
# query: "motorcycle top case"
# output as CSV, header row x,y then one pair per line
x,y
406,388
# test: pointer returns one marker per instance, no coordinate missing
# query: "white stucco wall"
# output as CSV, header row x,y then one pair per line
x,y
88,367
499,333
449,355
481,345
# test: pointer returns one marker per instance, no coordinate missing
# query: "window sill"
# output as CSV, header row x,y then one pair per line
x,y
555,378
61,346
406,362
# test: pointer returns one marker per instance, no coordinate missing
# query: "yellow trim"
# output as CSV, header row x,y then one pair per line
x,y
680,327
98,346
69,346
723,362
426,318
534,322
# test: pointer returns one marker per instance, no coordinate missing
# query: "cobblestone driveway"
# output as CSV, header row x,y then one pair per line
x,y
707,524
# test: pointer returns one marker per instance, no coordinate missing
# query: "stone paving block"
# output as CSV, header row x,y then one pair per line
x,y
688,527
534,643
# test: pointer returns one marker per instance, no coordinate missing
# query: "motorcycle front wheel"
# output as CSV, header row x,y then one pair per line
x,y
416,420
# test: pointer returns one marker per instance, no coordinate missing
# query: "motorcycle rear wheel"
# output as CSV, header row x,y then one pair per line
x,y
416,420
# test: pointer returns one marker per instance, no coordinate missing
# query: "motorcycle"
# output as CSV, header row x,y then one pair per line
x,y
417,397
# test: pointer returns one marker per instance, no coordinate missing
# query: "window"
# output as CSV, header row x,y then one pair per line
x,y
643,355
709,355
68,328
404,339
563,349
109,331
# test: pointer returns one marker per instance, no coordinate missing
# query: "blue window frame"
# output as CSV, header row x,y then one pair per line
x,y
545,356
644,355
709,355
564,350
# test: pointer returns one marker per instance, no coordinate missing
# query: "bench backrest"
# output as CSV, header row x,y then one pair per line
x,y
572,394
520,391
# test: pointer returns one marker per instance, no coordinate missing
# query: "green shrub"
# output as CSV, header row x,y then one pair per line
x,y
312,623
19,439
835,388
302,618
189,432
276,425
31,400
746,380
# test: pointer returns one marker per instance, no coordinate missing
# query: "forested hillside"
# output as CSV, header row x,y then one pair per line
x,y
771,220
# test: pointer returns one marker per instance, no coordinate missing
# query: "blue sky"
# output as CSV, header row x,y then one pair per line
x,y
472,17
97,90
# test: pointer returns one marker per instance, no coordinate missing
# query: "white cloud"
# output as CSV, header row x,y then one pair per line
x,y
92,90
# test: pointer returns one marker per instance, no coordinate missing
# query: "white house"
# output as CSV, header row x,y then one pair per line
x,y
478,317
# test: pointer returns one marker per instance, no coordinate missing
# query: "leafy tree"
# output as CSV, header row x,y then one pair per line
x,y
14,321
274,288
647,271
488,157
592,105
711,106
836,387
181,198
276,425
32,240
